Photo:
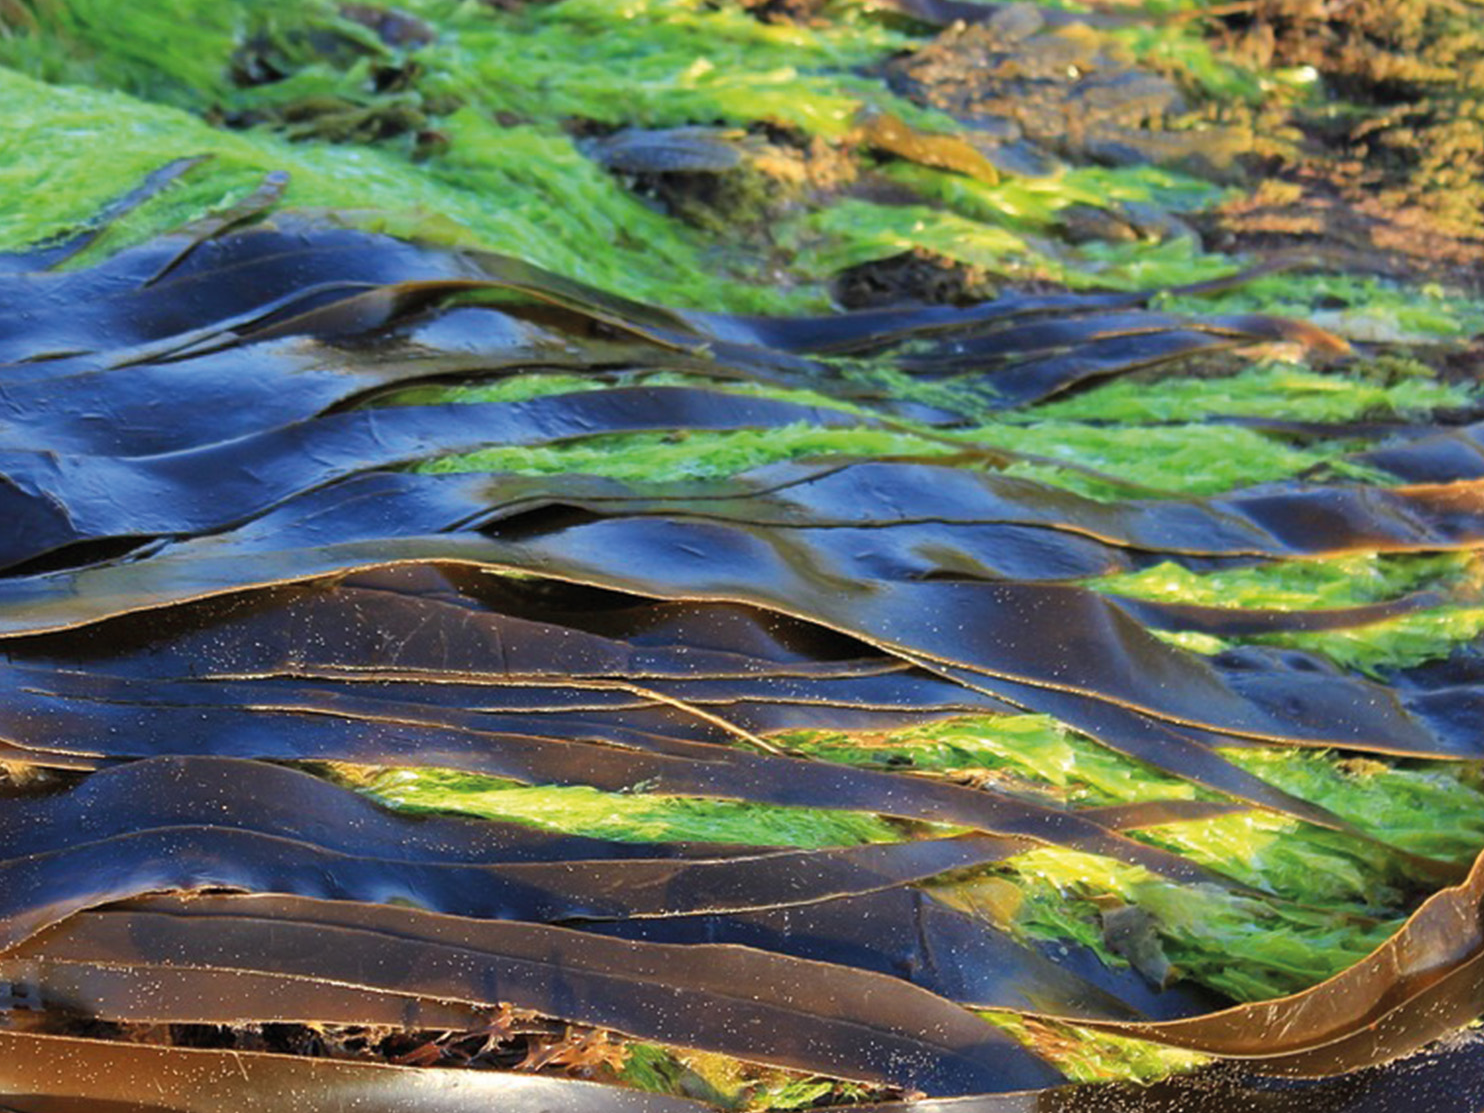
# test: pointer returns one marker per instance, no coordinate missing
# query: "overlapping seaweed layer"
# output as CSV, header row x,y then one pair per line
x,y
890,646
185,602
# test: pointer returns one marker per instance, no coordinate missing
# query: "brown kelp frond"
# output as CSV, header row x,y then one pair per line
x,y
724,998
204,1080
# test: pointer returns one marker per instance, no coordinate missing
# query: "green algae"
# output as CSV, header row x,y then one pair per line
x,y
1394,643
1335,897
659,63
1362,307
689,455
1019,246
1198,459
1011,229
1282,391
517,388
1177,459
634,816
1031,755
734,1085
1428,808
853,231
503,172
1399,643
1178,48
1424,807
523,186
1374,650
1347,581
514,190
170,51
649,62
1327,885
1186,459
1250,948
1084,1055
1035,204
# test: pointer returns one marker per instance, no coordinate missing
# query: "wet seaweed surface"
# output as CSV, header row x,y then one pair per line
x,y
192,610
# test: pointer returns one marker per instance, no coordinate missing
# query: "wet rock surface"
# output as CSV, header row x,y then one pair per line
x,y
1391,166
1063,89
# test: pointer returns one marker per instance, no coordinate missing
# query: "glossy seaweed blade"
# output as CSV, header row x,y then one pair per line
x,y
1293,706
62,500
109,721
760,1006
264,284
1418,985
448,642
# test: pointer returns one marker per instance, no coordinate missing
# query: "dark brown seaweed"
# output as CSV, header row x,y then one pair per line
x,y
62,1074
852,1024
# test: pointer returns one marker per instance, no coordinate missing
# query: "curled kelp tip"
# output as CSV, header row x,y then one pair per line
x,y
254,206
891,134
